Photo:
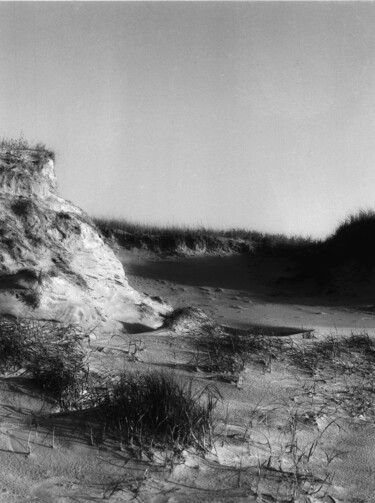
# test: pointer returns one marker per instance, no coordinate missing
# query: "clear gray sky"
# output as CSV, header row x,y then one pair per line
x,y
256,115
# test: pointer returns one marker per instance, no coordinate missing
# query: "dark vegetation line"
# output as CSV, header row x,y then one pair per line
x,y
354,238
352,241
13,148
179,240
349,253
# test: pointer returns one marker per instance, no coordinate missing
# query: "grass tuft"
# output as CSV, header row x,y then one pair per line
x,y
154,408
229,350
143,409
352,354
50,353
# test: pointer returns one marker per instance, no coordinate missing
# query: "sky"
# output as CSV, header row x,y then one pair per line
x,y
259,115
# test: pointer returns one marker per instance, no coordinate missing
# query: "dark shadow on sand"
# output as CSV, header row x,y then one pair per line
x,y
136,328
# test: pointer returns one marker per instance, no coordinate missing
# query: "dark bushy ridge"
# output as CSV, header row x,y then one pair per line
x,y
174,240
354,239
349,252
347,255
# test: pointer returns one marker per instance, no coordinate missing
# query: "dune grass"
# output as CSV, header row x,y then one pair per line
x,y
353,240
180,239
13,147
346,255
50,353
140,408
230,350
347,362
339,354
154,408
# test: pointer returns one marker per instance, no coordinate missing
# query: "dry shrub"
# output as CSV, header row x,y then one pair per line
x,y
229,350
149,408
354,354
49,352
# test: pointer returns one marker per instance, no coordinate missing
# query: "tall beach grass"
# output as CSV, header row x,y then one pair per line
x,y
180,239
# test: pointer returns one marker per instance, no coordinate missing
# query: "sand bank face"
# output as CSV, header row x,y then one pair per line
x,y
54,264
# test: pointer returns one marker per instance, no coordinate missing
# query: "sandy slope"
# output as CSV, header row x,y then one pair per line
x,y
266,411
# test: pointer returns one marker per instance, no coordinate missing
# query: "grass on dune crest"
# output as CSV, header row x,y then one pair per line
x,y
348,254
197,239
353,240
13,148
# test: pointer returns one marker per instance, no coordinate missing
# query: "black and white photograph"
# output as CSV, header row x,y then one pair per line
x,y
187,251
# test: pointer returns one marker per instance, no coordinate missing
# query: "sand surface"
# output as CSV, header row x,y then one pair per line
x,y
243,291
276,420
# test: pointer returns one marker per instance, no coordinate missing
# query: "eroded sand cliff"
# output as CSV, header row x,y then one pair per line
x,y
53,262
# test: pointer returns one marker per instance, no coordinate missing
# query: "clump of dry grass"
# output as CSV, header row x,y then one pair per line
x,y
348,363
338,354
154,408
49,352
229,350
